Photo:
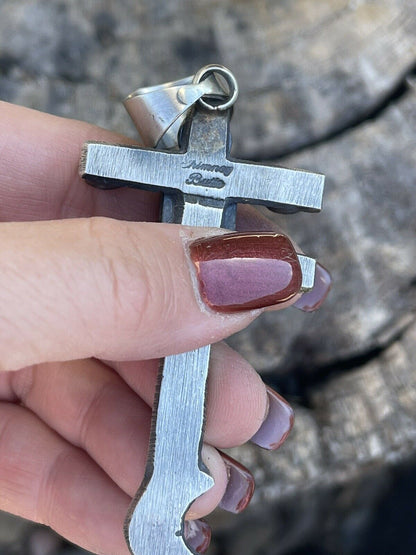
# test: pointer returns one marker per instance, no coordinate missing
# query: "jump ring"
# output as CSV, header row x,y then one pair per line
x,y
230,80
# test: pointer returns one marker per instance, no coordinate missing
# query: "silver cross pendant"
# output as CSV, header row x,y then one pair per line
x,y
188,121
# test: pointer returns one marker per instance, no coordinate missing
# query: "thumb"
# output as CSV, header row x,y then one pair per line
x,y
127,291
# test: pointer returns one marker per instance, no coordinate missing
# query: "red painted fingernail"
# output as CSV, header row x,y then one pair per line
x,y
197,535
243,271
240,487
278,423
313,299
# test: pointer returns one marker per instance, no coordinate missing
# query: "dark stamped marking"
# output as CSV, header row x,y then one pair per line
x,y
198,179
194,165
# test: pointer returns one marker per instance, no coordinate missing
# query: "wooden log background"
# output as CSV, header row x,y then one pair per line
x,y
327,85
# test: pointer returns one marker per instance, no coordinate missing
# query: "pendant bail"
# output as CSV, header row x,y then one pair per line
x,y
159,112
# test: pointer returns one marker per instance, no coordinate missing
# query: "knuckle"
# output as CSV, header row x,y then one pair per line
x,y
50,487
124,280
23,382
12,480
90,415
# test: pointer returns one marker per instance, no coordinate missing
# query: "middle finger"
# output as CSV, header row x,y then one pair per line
x,y
90,406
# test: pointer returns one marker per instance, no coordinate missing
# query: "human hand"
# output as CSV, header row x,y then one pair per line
x,y
89,304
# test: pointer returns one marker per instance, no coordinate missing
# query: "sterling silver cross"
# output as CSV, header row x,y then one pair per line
x,y
201,186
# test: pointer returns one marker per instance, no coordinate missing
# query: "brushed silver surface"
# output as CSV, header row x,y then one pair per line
x,y
159,112
308,266
203,170
175,475
201,186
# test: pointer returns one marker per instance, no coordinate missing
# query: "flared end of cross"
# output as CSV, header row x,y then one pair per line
x,y
93,156
83,159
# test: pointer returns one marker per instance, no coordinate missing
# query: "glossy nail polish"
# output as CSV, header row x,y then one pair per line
x,y
240,486
197,535
277,424
243,271
313,299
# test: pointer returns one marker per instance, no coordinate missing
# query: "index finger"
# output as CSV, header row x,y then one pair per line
x,y
39,178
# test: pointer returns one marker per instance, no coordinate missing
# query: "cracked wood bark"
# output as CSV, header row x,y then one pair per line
x,y
366,235
345,481
308,72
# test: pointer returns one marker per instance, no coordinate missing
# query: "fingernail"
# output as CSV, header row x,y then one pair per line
x,y
278,423
243,271
240,486
313,299
197,535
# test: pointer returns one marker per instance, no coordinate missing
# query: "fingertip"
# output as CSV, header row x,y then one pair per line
x,y
237,399
207,502
240,486
278,423
313,299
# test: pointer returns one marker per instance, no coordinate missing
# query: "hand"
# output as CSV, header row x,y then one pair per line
x,y
88,305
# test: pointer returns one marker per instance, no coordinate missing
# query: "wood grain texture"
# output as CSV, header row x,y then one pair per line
x,y
329,85
365,235
351,454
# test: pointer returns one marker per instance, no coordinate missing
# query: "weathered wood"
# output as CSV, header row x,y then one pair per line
x,y
326,483
365,235
308,72
306,69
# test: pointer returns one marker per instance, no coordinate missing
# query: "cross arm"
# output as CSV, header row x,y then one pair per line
x,y
276,187
109,166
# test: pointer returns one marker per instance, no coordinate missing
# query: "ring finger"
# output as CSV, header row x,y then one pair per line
x,y
93,408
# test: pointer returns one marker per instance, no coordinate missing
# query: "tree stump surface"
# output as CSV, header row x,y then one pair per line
x,y
327,86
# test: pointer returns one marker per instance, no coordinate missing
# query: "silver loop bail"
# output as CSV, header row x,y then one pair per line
x,y
230,81
159,112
